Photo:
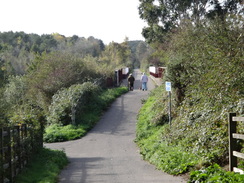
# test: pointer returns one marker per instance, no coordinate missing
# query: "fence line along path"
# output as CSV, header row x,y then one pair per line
x,y
17,145
234,153
108,152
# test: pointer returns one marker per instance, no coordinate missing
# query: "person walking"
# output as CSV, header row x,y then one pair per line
x,y
144,80
131,81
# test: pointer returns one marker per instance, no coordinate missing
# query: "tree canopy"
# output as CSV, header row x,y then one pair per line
x,y
164,15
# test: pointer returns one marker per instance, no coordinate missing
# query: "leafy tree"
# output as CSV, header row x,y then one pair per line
x,y
53,72
18,49
57,70
48,43
16,106
7,61
82,46
144,55
117,55
74,38
165,15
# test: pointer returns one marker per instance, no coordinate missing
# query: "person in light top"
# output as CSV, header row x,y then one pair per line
x,y
144,80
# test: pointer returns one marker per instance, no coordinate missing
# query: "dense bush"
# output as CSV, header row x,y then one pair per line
x,y
68,101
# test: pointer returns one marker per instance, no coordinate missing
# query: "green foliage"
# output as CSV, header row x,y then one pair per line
x,y
205,67
177,149
48,43
117,55
55,71
155,108
47,64
150,129
15,90
164,16
109,95
52,72
82,47
213,174
16,105
2,109
93,105
58,133
66,102
44,167
140,51
18,49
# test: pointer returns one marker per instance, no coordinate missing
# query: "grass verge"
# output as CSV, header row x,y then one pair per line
x,y
44,167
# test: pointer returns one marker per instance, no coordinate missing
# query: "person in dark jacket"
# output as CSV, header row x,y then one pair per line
x,y
131,81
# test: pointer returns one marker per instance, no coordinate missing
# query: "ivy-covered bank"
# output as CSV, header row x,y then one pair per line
x,y
186,144
152,126
204,61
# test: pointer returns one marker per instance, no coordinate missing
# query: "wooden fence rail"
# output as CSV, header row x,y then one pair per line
x,y
17,144
233,137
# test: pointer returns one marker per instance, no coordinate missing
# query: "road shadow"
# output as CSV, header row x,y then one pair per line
x,y
79,168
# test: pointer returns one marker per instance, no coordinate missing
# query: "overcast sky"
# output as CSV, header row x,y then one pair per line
x,y
108,20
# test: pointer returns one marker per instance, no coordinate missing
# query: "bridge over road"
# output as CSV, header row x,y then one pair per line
x,y
108,154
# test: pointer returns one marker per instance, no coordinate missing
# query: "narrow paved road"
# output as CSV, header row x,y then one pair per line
x,y
108,154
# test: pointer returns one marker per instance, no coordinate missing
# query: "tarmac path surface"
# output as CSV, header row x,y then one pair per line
x,y
108,154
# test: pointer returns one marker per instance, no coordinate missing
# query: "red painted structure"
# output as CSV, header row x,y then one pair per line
x,y
119,75
157,72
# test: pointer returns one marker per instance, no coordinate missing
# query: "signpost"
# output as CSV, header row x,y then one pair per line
x,y
168,88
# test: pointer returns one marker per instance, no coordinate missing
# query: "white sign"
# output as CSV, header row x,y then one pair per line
x,y
168,86
152,69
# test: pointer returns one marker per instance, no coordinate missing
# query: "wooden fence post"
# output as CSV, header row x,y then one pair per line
x,y
16,150
41,131
232,142
25,144
8,155
1,155
17,145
